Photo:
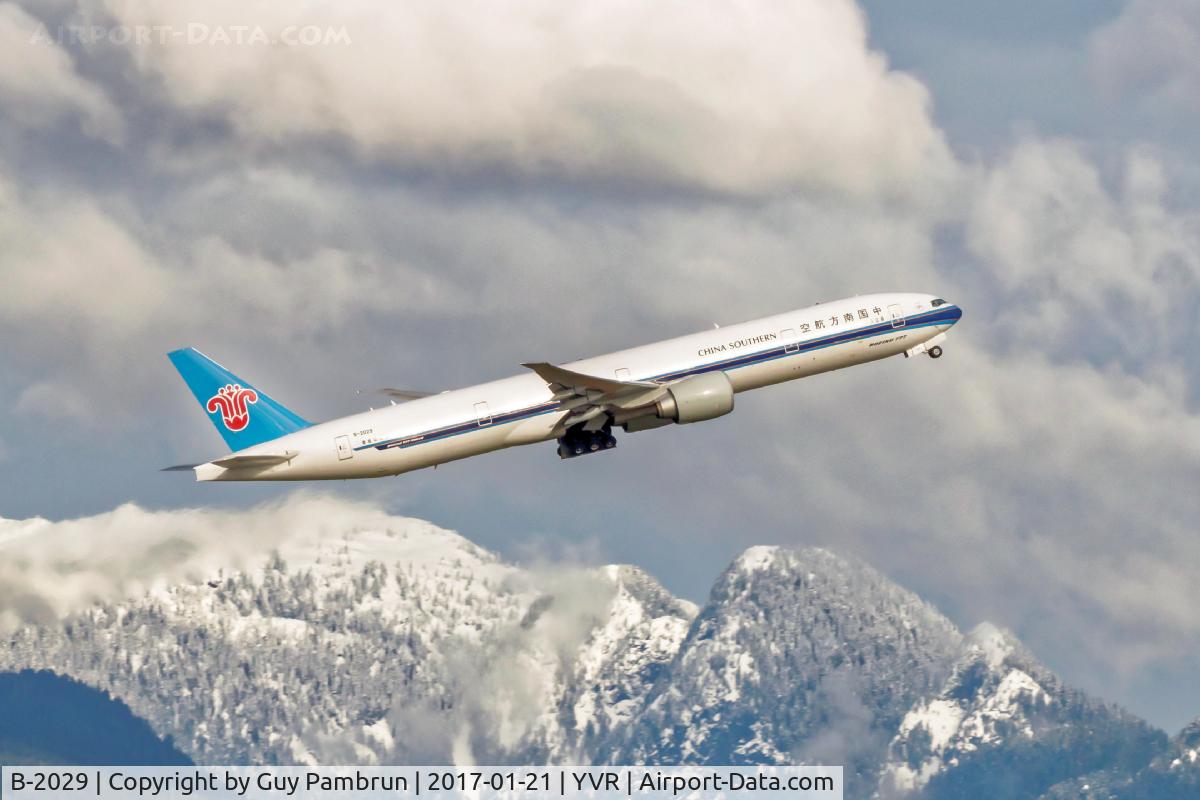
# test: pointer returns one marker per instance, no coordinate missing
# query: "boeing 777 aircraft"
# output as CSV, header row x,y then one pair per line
x,y
688,379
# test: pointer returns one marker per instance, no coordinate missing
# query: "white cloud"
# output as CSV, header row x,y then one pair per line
x,y
54,401
39,84
225,250
107,280
1078,263
66,259
302,295
95,293
1149,57
51,569
223,260
745,97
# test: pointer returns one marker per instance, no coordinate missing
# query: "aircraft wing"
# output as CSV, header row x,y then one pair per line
x,y
565,378
588,397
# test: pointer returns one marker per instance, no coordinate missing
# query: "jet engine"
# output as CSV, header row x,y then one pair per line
x,y
698,398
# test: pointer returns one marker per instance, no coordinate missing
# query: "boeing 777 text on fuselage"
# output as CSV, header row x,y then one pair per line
x,y
688,379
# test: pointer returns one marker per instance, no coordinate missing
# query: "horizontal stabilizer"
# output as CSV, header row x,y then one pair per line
x,y
259,460
404,395
179,468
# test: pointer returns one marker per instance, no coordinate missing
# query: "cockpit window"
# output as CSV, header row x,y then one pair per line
x,y
938,302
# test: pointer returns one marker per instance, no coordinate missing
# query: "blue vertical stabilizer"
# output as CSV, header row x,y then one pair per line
x,y
243,415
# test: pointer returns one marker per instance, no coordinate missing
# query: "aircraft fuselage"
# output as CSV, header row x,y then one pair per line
x,y
526,408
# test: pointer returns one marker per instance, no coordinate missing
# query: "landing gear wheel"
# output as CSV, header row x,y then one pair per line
x,y
935,351
579,442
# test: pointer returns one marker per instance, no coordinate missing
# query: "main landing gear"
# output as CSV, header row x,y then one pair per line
x,y
935,351
579,442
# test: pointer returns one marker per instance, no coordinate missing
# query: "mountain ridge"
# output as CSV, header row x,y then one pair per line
x,y
406,643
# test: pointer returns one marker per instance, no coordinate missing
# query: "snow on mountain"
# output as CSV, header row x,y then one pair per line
x,y
577,667
798,655
1187,750
372,645
965,715
367,638
1002,720
1174,774
282,664
624,657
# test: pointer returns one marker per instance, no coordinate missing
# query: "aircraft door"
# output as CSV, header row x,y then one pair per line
x,y
790,345
482,414
344,450
897,314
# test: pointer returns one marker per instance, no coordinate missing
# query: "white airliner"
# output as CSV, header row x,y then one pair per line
x,y
688,379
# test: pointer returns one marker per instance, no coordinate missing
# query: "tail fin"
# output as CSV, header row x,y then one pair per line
x,y
242,415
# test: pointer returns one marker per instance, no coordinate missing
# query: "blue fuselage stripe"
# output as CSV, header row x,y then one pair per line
x,y
940,316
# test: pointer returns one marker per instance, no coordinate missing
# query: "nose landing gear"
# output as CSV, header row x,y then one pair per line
x,y
579,442
935,351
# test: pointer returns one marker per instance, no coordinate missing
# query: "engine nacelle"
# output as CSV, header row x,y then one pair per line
x,y
698,398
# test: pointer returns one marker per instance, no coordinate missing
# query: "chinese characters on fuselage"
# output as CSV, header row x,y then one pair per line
x,y
824,323
834,320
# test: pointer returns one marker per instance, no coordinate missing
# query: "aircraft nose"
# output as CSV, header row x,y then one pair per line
x,y
954,314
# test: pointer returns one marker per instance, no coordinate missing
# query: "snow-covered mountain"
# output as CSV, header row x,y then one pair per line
x,y
400,642
1004,719
798,655
1184,756
278,664
1174,774
406,643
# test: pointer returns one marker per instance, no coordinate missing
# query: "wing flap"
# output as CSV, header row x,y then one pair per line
x,y
586,397
569,379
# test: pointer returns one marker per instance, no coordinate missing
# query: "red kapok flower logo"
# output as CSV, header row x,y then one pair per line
x,y
233,402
